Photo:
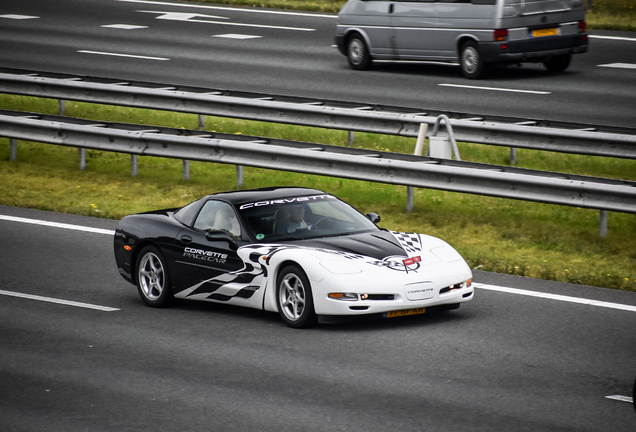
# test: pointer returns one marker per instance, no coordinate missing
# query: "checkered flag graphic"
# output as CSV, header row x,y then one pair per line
x,y
409,241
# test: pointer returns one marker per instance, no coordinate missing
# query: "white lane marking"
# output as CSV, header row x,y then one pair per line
x,y
124,26
182,16
619,65
58,301
122,55
233,9
236,36
58,225
557,297
495,89
175,16
620,398
18,17
475,284
621,38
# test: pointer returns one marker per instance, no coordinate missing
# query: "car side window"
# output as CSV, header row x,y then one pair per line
x,y
217,215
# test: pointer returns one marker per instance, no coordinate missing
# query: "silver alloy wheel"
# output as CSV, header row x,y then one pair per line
x,y
291,297
470,59
356,51
151,276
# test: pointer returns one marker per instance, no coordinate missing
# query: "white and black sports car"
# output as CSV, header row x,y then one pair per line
x,y
300,252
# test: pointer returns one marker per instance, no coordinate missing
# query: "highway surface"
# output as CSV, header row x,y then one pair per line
x,y
79,351
290,53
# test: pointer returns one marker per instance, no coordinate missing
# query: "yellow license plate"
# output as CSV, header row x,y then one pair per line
x,y
545,32
406,312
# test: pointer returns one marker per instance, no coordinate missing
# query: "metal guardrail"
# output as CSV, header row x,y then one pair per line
x,y
500,131
309,158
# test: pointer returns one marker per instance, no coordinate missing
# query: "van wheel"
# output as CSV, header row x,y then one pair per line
x,y
358,53
471,62
558,63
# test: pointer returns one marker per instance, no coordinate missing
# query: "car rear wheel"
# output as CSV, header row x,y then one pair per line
x,y
153,280
294,298
558,63
471,62
358,53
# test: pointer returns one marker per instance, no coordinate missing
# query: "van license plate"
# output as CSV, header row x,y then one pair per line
x,y
401,313
544,32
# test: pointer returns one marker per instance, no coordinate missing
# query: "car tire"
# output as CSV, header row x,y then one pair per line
x,y
294,298
558,63
471,61
152,278
358,53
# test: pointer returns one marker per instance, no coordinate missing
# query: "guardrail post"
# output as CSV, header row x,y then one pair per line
x,y
186,169
351,138
239,176
201,122
133,162
14,148
513,156
419,148
62,106
603,223
82,156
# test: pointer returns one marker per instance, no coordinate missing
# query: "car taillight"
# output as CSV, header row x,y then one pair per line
x,y
582,26
500,35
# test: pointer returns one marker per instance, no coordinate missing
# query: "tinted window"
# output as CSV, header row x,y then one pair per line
x,y
302,217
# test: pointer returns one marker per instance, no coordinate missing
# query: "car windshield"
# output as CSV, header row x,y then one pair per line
x,y
302,218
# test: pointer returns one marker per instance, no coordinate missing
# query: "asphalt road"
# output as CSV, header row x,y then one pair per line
x,y
288,53
503,362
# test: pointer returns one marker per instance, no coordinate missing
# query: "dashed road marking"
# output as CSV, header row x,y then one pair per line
x,y
57,225
58,301
496,89
619,65
124,26
236,36
18,17
123,55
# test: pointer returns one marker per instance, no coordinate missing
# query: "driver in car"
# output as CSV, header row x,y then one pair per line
x,y
296,220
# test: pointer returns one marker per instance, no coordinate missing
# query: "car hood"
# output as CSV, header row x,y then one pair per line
x,y
378,244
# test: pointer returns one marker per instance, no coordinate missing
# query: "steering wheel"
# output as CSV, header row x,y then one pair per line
x,y
321,220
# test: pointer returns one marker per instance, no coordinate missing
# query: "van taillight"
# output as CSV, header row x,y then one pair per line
x,y
582,26
502,34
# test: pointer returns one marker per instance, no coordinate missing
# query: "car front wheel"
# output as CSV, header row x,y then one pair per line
x,y
471,62
294,299
153,280
357,53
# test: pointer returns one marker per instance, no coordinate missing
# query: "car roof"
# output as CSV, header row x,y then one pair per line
x,y
263,194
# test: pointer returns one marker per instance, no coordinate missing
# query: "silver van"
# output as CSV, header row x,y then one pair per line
x,y
474,33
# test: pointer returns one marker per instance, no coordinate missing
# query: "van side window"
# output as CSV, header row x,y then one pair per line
x,y
457,1
484,2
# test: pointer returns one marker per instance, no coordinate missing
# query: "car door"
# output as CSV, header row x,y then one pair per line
x,y
373,18
206,253
414,29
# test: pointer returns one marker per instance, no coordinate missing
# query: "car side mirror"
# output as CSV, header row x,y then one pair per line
x,y
218,235
374,217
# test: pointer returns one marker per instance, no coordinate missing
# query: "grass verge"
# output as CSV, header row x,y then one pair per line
x,y
505,236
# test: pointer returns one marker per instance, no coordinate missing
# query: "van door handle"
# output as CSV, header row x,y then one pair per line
x,y
391,8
